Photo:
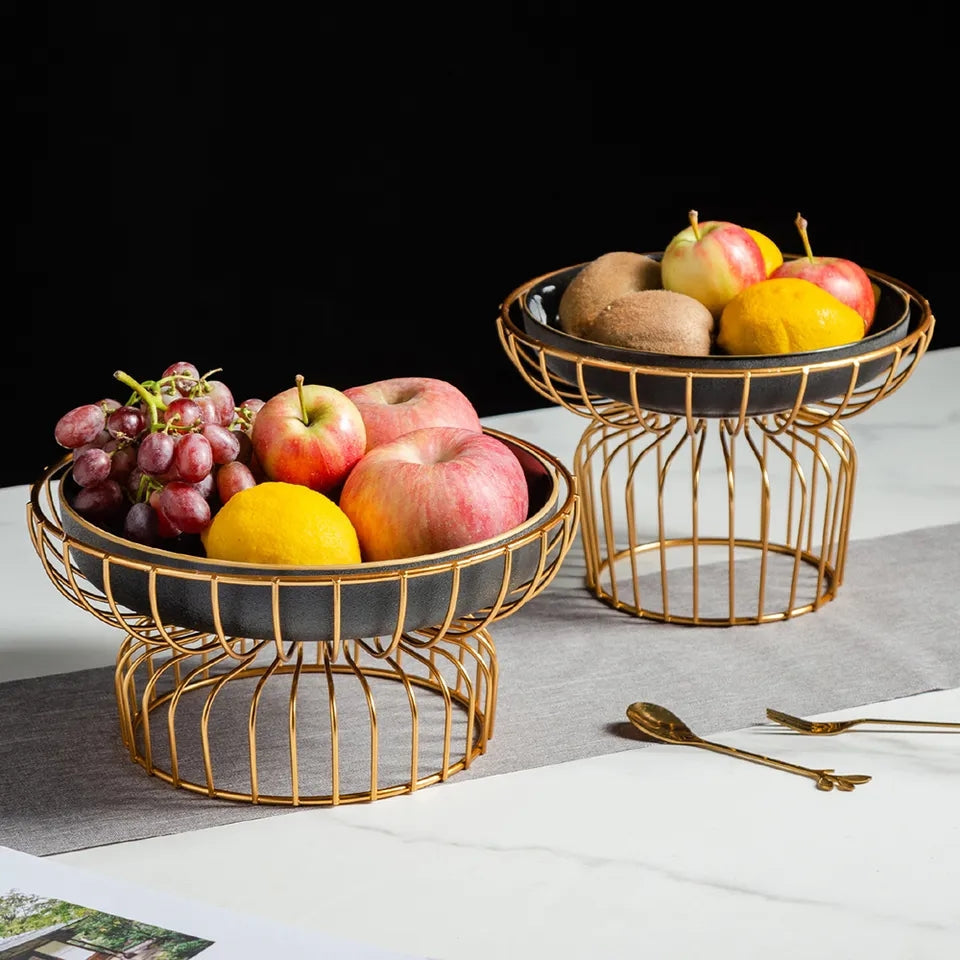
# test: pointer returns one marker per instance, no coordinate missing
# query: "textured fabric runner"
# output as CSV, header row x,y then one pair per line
x,y
569,665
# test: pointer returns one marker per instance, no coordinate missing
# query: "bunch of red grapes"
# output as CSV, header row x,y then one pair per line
x,y
161,464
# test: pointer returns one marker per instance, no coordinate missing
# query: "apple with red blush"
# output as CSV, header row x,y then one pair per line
x,y
712,262
846,280
393,407
310,434
434,489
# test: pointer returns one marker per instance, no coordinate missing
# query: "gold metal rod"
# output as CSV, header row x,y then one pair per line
x,y
487,661
414,724
696,453
149,697
334,719
252,728
663,469
372,719
337,599
215,687
441,686
759,454
292,730
727,446
798,479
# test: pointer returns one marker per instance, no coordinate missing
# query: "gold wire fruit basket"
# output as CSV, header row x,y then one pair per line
x,y
304,686
671,441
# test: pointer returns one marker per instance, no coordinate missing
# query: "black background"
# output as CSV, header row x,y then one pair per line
x,y
350,195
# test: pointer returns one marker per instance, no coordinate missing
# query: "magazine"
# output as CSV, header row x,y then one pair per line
x,y
53,911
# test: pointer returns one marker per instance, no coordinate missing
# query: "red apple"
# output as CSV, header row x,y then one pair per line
x,y
309,434
391,408
434,489
712,262
846,280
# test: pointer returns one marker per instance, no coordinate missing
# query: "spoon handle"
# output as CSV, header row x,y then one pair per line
x,y
825,779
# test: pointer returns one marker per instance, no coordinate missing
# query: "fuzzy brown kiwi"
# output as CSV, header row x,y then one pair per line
x,y
600,282
658,321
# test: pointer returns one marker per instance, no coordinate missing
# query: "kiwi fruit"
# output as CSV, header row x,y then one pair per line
x,y
600,282
657,321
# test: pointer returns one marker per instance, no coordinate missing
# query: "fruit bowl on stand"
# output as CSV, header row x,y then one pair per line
x,y
716,490
302,685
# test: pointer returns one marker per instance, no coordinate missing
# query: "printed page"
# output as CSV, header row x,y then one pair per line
x,y
54,910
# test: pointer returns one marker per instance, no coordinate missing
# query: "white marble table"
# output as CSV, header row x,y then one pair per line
x,y
659,851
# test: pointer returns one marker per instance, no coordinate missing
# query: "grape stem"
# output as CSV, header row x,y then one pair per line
x,y
202,385
147,486
303,404
153,402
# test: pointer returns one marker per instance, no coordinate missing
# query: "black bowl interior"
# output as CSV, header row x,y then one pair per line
x,y
188,588
717,386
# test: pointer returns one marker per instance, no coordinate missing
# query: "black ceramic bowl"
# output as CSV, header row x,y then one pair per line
x,y
193,592
719,381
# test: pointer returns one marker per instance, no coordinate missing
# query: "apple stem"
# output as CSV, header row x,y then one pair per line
x,y
802,227
303,404
695,223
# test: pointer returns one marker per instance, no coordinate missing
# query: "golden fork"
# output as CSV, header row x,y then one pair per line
x,y
830,727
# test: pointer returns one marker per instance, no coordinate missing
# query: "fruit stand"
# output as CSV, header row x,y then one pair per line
x,y
305,686
670,440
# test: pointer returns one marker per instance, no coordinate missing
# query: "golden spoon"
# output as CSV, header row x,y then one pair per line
x,y
660,723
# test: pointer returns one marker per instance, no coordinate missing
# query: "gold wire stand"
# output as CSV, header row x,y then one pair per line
x,y
665,535
290,722
153,689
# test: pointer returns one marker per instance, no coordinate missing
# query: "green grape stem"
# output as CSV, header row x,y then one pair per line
x,y
153,401
146,486
242,420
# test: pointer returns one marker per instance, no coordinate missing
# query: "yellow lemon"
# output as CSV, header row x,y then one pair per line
x,y
786,315
772,257
281,523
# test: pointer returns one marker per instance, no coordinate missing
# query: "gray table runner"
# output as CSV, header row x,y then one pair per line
x,y
569,665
